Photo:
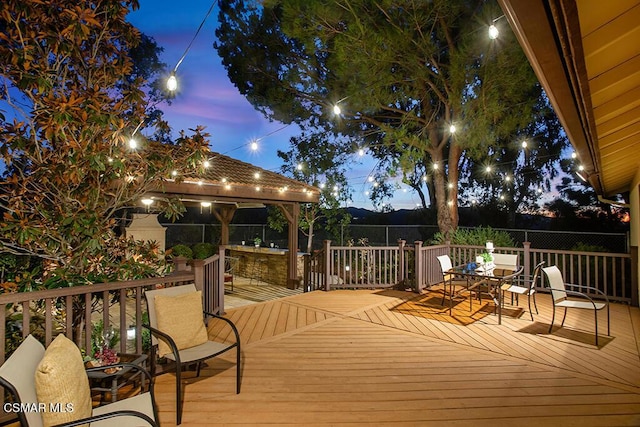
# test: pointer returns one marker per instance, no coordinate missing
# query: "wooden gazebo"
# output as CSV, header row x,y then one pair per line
x,y
229,184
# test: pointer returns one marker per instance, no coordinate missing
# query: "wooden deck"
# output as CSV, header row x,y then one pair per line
x,y
371,357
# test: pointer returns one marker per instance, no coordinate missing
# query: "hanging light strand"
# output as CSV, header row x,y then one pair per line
x,y
172,83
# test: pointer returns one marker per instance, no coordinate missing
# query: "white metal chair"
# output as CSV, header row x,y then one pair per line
x,y
445,266
561,297
24,377
526,286
176,322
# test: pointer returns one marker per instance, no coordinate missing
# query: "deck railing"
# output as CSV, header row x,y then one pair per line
x,y
73,310
416,266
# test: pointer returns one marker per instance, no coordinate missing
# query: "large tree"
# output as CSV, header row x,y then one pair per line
x,y
318,160
402,71
71,99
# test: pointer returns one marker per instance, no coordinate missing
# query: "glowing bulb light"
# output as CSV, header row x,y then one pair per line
x,y
206,164
336,110
524,144
133,144
205,204
147,202
452,129
172,82
493,32
361,152
254,145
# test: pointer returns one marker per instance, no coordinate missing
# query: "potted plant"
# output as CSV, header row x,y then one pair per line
x,y
257,242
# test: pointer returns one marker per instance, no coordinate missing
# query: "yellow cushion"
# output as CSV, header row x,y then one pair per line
x,y
181,318
62,380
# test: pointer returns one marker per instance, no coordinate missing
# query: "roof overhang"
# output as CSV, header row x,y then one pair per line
x,y
587,57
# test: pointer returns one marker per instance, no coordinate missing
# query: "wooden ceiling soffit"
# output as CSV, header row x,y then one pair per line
x,y
549,33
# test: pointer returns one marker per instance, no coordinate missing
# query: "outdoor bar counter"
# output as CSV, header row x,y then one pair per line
x,y
264,264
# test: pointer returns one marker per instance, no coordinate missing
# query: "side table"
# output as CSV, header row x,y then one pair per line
x,y
112,382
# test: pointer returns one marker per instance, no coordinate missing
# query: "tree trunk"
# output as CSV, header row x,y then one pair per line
x,y
442,209
310,237
455,152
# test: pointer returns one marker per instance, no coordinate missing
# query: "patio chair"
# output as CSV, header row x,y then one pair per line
x,y
525,286
561,297
176,322
446,265
230,267
54,383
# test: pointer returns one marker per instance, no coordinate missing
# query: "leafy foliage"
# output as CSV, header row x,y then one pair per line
x,y
204,250
72,97
402,71
476,237
181,250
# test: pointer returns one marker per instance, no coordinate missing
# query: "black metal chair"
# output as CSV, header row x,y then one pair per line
x,y
183,341
18,375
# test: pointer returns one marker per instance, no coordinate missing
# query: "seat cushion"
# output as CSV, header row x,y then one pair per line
x,y
181,318
140,403
61,380
202,351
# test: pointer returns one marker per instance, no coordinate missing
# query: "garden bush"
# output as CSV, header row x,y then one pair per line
x,y
476,237
203,250
181,250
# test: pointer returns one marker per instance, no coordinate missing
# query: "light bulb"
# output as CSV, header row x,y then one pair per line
x,y
133,144
206,163
361,152
524,144
254,146
452,128
205,204
493,32
147,202
337,110
172,83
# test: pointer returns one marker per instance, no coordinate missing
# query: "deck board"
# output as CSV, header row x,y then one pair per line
x,y
352,358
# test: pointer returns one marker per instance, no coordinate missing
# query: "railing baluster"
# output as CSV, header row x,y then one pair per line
x,y
26,319
87,322
106,321
68,305
122,303
48,321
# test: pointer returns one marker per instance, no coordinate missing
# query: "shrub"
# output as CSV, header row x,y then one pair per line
x,y
181,250
203,250
476,237
585,247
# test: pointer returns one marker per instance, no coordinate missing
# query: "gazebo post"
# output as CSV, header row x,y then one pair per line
x,y
292,213
224,214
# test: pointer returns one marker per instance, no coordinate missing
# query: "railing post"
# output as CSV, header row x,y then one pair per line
x,y
180,263
527,258
327,264
401,274
198,273
418,263
219,284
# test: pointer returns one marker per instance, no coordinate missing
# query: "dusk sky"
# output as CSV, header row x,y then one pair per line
x,y
207,97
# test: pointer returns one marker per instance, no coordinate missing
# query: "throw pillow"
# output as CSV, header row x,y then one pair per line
x,y
180,317
62,383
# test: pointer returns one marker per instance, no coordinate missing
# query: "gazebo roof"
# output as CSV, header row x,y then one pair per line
x,y
228,180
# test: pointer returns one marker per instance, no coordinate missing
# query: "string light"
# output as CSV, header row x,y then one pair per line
x,y
133,144
206,164
361,152
172,81
493,32
337,110
574,155
254,145
524,144
452,128
256,175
